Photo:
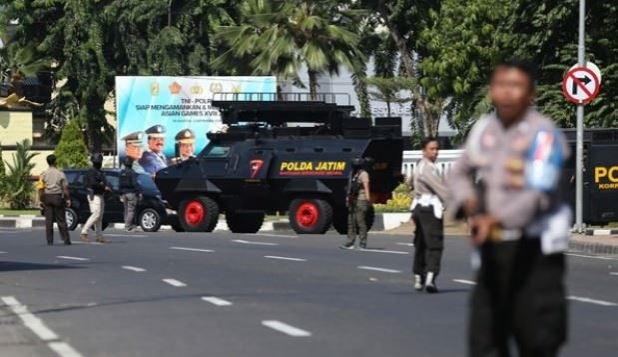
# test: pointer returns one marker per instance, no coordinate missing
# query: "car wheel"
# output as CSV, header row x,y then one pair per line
x,y
244,222
72,218
310,215
199,214
149,220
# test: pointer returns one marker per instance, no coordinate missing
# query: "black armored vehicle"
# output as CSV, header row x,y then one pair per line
x,y
267,162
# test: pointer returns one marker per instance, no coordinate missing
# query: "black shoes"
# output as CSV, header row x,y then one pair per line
x,y
67,242
363,245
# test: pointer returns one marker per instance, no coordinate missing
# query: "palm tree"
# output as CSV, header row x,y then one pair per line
x,y
278,37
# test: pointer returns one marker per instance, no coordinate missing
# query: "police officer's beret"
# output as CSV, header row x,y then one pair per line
x,y
185,136
156,131
133,138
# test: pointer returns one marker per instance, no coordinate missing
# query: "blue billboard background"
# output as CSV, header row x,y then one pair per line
x,y
176,103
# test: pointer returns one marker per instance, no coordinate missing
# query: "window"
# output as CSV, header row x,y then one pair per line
x,y
113,181
218,151
147,184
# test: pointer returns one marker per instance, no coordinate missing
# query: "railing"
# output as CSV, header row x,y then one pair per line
x,y
446,159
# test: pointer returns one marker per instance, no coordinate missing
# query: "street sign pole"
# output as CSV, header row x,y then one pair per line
x,y
579,149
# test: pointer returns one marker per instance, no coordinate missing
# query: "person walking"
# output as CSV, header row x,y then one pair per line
x,y
54,198
130,190
506,184
427,210
358,203
97,186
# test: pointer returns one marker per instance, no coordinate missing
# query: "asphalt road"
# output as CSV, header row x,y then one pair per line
x,y
171,294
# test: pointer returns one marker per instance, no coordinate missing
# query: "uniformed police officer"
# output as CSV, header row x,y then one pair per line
x,y
54,197
133,149
427,209
153,159
185,145
517,220
358,202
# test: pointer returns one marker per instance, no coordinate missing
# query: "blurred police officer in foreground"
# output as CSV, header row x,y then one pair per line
x,y
153,159
131,192
427,209
133,149
97,186
185,146
517,221
54,197
358,202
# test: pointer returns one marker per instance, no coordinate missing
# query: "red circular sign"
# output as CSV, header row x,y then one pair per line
x,y
581,85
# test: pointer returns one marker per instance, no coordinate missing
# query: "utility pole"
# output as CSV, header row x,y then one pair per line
x,y
579,150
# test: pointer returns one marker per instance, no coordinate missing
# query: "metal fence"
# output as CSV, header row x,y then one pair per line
x,y
446,158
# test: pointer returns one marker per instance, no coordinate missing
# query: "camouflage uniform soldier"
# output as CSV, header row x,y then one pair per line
x,y
358,204
518,221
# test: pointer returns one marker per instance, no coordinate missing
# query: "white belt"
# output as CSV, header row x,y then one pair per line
x,y
427,200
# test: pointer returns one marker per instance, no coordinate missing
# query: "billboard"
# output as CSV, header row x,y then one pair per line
x,y
164,120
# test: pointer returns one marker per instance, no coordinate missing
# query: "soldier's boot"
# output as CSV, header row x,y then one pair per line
x,y
430,283
84,237
418,282
102,240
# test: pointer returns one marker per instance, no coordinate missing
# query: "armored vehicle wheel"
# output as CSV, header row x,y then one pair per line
x,y
340,219
244,222
310,215
177,227
198,214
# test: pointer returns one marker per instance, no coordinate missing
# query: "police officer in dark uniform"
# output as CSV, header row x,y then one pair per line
x,y
506,183
358,203
185,146
153,159
54,197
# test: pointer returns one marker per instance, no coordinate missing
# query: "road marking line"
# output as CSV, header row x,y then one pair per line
x,y
275,235
285,328
464,281
128,235
3,252
592,301
285,258
382,251
192,249
406,244
174,282
590,256
384,270
32,322
254,243
216,301
64,349
72,258
135,269
616,273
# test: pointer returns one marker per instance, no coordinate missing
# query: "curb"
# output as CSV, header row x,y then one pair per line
x,y
593,248
601,232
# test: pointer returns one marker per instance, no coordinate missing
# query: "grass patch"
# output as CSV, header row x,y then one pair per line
x,y
10,212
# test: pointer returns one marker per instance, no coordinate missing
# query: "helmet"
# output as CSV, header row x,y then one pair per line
x,y
358,162
96,158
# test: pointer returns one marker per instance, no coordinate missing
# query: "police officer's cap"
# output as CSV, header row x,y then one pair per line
x,y
133,138
156,131
358,162
185,136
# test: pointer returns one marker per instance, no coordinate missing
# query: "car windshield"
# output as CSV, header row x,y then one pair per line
x,y
147,184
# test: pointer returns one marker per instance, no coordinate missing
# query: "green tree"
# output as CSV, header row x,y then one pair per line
x,y
278,37
71,151
18,188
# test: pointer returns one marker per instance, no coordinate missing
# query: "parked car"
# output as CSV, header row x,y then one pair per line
x,y
150,214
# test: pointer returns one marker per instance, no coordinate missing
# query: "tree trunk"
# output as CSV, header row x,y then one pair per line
x,y
388,108
313,84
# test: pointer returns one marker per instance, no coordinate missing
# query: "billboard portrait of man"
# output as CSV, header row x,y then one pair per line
x,y
185,145
133,149
154,159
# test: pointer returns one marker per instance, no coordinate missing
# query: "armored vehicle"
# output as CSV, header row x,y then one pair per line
x,y
267,162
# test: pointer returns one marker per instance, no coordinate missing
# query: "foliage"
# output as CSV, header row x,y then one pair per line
x,y
400,202
18,188
279,37
71,151
391,90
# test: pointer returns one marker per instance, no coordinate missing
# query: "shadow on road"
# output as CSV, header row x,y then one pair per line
x,y
20,266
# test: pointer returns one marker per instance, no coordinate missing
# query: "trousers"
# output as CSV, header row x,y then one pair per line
x,y
129,200
519,296
97,207
55,211
357,221
428,241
